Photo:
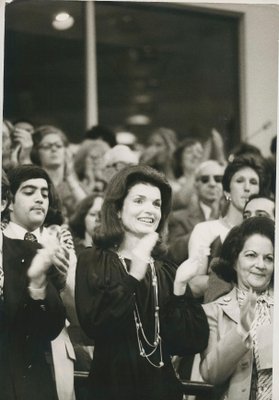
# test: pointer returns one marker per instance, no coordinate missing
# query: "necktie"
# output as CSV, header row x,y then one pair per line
x,y
30,236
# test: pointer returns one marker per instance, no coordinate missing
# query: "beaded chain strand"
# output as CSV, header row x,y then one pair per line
x,y
157,343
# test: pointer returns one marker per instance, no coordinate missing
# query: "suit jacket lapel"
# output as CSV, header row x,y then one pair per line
x,y
195,213
17,256
230,305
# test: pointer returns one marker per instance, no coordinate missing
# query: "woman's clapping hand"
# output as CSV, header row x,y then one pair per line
x,y
247,311
185,272
141,254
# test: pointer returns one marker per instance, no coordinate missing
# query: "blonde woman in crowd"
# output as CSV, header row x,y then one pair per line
x,y
159,152
89,165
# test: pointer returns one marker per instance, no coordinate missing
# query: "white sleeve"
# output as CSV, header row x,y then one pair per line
x,y
200,239
38,293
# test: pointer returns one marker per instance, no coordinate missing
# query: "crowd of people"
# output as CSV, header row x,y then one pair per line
x,y
124,261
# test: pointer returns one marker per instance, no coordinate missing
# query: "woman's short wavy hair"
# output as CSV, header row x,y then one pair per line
x,y
38,136
224,266
77,220
245,161
111,230
178,155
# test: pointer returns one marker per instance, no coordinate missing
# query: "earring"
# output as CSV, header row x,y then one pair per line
x,y
227,196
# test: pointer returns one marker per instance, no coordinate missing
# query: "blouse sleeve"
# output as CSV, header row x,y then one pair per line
x,y
104,293
185,328
199,243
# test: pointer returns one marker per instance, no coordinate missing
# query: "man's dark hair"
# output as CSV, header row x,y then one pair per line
x,y
259,196
101,132
22,173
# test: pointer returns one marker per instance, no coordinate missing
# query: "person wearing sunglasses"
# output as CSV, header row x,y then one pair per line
x,y
244,176
205,206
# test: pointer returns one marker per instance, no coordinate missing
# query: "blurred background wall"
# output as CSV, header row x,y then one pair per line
x,y
190,67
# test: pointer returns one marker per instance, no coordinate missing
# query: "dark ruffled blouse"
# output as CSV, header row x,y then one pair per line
x,y
105,300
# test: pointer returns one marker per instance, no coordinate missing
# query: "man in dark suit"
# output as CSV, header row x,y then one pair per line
x,y
31,315
204,206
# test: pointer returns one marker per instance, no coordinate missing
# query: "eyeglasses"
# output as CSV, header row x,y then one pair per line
x,y
49,146
206,178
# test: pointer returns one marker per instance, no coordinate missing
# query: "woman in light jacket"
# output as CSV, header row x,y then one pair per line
x,y
238,359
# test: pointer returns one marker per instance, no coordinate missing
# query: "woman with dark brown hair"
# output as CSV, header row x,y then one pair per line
x,y
126,297
85,220
238,359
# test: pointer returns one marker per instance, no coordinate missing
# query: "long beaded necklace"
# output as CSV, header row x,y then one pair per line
x,y
157,342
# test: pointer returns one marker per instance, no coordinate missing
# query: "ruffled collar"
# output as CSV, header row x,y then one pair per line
x,y
265,296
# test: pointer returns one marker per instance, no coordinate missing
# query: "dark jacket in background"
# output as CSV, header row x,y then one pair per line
x,y
181,224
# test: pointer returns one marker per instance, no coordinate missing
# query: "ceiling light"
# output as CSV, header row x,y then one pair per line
x,y
63,21
138,119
